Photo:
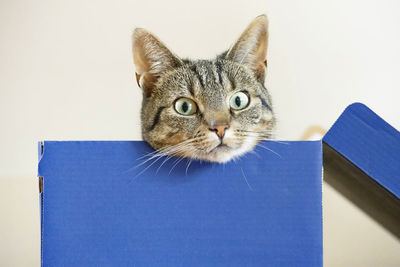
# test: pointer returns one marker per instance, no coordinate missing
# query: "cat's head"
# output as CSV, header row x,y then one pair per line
x,y
212,110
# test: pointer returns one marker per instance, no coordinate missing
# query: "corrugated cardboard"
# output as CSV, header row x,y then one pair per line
x,y
106,204
99,208
362,161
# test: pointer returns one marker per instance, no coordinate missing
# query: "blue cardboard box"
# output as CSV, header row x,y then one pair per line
x,y
103,204
98,209
362,162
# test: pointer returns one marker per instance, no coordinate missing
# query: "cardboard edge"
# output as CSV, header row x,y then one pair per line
x,y
321,164
388,129
356,105
41,145
347,109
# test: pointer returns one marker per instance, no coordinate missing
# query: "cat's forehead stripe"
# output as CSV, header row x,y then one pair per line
x,y
218,68
232,82
190,85
193,68
208,73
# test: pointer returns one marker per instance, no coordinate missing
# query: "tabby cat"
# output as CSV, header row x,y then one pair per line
x,y
213,110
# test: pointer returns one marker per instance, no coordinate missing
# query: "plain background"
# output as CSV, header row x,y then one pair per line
x,y
66,73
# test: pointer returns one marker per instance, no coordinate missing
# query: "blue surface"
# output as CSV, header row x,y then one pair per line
x,y
99,210
370,143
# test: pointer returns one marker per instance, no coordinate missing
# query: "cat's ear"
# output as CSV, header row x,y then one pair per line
x,y
251,47
151,58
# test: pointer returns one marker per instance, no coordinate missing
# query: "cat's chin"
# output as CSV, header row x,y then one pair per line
x,y
224,153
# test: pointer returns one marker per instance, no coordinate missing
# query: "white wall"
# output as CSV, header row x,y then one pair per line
x,y
66,66
66,69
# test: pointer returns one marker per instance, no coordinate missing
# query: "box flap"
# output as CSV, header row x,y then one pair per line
x,y
370,143
362,161
101,210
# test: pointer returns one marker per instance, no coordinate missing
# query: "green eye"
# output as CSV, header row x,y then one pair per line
x,y
185,106
239,101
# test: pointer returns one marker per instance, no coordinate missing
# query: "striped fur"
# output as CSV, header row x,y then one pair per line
x,y
164,78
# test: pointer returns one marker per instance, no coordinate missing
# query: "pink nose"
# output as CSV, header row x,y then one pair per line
x,y
219,130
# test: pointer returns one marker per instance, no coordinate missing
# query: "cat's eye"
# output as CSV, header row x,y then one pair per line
x,y
239,101
185,106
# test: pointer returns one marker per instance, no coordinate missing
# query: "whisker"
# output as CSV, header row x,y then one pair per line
x,y
281,142
169,149
255,153
187,167
168,157
261,138
269,150
262,135
172,154
147,167
247,182
147,155
176,162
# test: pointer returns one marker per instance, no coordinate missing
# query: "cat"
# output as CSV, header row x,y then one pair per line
x,y
213,110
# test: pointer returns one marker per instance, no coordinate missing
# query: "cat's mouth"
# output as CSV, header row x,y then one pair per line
x,y
220,148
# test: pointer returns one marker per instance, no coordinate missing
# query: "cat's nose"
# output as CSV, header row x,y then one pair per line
x,y
219,130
